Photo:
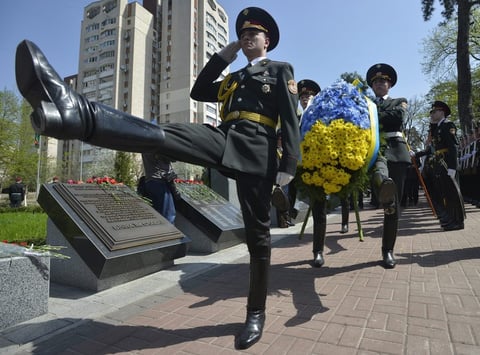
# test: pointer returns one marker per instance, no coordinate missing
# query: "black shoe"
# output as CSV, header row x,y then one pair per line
x,y
386,193
252,330
453,227
318,259
280,199
290,223
446,222
344,229
58,111
389,261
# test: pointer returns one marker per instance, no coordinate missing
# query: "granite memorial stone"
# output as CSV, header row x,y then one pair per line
x,y
212,222
112,235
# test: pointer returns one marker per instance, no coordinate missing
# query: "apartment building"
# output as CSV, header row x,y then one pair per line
x,y
143,59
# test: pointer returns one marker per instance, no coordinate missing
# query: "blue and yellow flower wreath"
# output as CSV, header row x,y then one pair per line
x,y
339,131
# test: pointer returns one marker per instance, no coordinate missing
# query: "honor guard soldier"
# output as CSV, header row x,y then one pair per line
x,y
244,146
393,159
445,165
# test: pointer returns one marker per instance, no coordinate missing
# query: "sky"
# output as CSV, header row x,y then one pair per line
x,y
321,39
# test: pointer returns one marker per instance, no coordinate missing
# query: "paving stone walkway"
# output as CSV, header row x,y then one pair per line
x,y
428,304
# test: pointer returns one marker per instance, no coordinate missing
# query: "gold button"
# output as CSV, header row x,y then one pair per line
x,y
235,114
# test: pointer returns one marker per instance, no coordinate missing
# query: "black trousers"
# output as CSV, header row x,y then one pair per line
x,y
450,195
254,195
397,171
319,215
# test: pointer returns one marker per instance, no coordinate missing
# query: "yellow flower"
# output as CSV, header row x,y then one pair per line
x,y
330,154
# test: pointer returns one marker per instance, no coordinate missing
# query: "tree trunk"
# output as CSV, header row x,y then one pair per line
x,y
465,112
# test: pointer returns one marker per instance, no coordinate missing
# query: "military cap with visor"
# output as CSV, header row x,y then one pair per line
x,y
255,18
307,87
440,105
381,71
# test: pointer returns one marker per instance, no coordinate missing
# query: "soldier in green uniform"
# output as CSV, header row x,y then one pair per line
x,y
244,146
445,165
393,159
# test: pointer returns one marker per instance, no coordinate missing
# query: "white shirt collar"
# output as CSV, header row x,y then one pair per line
x,y
256,60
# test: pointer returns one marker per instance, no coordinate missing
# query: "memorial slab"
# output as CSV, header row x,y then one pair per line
x,y
211,222
110,232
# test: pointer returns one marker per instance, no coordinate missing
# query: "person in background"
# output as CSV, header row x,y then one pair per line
x,y
255,99
443,165
16,193
390,168
412,184
308,88
159,177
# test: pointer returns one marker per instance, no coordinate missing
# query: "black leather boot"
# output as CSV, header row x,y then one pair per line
x,y
252,331
257,296
386,195
60,112
318,259
390,226
319,214
385,191
389,261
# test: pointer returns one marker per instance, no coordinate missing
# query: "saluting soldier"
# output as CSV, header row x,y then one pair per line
x,y
243,146
391,166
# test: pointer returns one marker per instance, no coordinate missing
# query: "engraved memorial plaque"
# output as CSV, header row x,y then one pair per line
x,y
212,222
211,205
119,218
111,235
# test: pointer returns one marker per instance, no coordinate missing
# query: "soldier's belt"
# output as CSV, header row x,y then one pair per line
x,y
251,116
393,134
441,151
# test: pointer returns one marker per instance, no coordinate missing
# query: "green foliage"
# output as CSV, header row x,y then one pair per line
x,y
450,49
351,77
428,8
22,225
17,152
9,114
124,168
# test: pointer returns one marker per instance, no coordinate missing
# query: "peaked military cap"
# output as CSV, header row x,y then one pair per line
x,y
258,19
440,105
381,70
307,86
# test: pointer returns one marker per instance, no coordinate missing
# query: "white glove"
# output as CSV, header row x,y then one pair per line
x,y
451,173
412,153
283,178
229,52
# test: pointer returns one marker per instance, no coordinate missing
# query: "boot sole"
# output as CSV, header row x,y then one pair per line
x,y
28,79
386,195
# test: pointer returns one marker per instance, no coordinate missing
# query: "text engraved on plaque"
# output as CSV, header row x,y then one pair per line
x,y
117,215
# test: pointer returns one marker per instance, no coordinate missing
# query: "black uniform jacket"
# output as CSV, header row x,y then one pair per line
x,y
267,88
445,140
391,113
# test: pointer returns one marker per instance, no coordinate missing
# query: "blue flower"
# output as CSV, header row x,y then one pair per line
x,y
340,100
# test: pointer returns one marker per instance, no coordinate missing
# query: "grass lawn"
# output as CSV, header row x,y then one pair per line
x,y
23,226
